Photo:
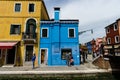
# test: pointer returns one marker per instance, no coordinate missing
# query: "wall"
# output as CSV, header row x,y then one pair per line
x,y
8,17
57,40
112,34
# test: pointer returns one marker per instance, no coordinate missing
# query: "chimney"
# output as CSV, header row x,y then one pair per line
x,y
56,13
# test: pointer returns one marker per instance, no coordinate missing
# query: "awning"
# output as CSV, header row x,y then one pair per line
x,y
7,45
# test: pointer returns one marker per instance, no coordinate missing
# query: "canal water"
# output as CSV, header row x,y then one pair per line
x,y
97,76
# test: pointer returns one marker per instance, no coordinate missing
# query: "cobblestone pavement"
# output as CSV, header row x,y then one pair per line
x,y
50,68
87,67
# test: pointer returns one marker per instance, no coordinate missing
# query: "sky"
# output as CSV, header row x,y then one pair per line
x,y
92,14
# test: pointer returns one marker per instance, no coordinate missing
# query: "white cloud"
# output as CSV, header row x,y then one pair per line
x,y
88,11
92,14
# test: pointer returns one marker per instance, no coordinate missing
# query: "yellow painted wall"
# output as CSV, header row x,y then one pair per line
x,y
7,8
8,16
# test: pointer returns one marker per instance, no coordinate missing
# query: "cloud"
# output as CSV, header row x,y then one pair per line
x,y
50,4
92,14
89,11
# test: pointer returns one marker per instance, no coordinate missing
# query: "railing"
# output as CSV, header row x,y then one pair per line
x,y
29,36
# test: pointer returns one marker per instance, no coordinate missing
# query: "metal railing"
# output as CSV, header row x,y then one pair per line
x,y
27,36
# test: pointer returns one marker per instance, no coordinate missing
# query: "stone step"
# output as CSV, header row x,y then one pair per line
x,y
28,63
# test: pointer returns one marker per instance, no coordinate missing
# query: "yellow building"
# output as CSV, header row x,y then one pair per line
x,y
20,31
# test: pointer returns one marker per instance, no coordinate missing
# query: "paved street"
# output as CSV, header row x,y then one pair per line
x,y
87,67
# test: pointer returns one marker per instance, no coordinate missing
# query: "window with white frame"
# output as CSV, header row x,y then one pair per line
x,y
17,7
31,7
116,39
115,26
108,30
44,32
71,33
109,40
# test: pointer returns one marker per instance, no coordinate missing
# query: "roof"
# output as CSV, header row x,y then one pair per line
x,y
60,21
110,25
113,23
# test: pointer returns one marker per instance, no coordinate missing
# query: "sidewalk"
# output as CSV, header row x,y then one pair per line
x,y
86,68
82,68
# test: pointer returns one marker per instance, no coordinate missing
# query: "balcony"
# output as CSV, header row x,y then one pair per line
x,y
29,37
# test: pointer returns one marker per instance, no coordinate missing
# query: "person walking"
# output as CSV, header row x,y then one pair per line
x,y
33,60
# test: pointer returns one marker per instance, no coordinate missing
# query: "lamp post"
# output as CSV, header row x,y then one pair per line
x,y
86,31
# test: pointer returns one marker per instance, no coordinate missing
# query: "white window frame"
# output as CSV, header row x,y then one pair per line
x,y
116,39
68,33
115,25
108,30
109,39
26,23
20,6
47,32
46,56
34,7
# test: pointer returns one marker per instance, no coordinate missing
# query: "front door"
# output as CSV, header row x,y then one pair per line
x,y
10,57
28,53
44,56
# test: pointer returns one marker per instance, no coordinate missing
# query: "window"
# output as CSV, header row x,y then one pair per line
x,y
44,33
109,41
64,53
108,30
17,7
31,7
115,27
0,53
15,29
116,39
71,33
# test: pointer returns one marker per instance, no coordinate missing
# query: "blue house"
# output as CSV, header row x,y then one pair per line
x,y
58,38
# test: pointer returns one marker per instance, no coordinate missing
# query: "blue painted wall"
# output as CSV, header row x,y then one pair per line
x,y
58,39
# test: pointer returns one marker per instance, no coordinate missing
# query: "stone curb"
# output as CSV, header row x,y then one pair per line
x,y
56,72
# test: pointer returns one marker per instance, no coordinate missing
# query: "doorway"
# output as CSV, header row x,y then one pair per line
x,y
30,27
10,57
44,56
29,53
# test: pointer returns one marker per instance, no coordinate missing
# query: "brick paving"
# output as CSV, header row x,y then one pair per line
x,y
87,67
